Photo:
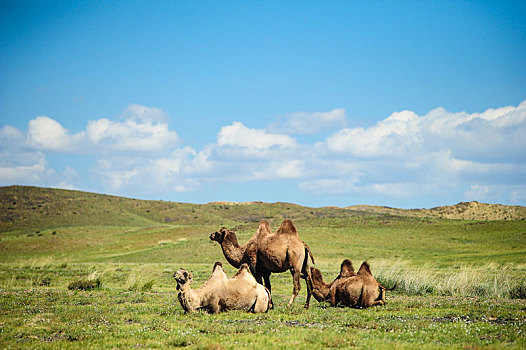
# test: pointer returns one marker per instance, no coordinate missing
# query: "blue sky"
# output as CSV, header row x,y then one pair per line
x,y
406,104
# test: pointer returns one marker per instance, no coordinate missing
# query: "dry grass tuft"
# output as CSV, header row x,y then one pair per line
x,y
490,280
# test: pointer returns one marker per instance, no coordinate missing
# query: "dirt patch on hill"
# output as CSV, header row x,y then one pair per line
x,y
463,210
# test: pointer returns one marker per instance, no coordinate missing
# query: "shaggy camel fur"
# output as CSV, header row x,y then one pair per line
x,y
353,289
220,293
268,252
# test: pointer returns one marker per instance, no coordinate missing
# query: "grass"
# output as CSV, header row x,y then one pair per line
x,y
461,284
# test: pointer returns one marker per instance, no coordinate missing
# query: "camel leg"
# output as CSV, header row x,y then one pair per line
x,y
266,277
308,281
332,298
214,307
297,285
310,286
381,298
378,302
258,277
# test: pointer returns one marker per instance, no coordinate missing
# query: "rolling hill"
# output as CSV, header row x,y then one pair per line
x,y
24,207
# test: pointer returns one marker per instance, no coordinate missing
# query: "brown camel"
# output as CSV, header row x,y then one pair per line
x,y
352,289
268,252
220,293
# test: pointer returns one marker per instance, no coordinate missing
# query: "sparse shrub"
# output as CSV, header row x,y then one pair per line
x,y
141,279
180,340
42,281
39,262
141,286
518,291
85,284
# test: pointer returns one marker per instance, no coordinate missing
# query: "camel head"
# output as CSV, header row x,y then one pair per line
x,y
320,289
183,278
219,236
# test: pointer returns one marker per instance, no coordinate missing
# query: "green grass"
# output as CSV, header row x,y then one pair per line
x,y
461,284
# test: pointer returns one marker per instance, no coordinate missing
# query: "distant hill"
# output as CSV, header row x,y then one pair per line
x,y
463,210
35,207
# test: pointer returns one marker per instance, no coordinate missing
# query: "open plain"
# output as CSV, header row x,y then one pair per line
x,y
82,270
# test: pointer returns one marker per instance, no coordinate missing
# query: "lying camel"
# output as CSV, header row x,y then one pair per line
x,y
268,252
352,289
220,293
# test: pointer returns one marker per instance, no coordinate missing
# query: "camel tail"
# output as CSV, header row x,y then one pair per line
x,y
308,252
384,288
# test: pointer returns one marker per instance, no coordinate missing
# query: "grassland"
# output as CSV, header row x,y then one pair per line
x,y
461,284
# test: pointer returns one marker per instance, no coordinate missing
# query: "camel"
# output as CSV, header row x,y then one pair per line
x,y
352,289
220,293
268,252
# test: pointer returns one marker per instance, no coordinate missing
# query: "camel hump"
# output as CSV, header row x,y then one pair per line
x,y
264,227
218,263
287,227
365,269
243,269
347,269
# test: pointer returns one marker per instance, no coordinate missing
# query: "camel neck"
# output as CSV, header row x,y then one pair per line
x,y
185,288
231,249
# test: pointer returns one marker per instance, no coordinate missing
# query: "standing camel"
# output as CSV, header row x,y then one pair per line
x,y
268,252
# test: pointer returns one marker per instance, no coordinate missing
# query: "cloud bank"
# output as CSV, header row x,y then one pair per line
x,y
403,156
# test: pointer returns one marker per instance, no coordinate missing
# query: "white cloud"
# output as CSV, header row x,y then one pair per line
x,y
24,168
106,135
326,186
11,137
238,135
488,136
45,133
394,136
291,169
141,131
143,114
477,192
310,123
477,156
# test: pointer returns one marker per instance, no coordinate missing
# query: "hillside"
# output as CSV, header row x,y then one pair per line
x,y
34,207
463,210
24,207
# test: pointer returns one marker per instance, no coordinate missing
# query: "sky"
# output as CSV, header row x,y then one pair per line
x,y
405,104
